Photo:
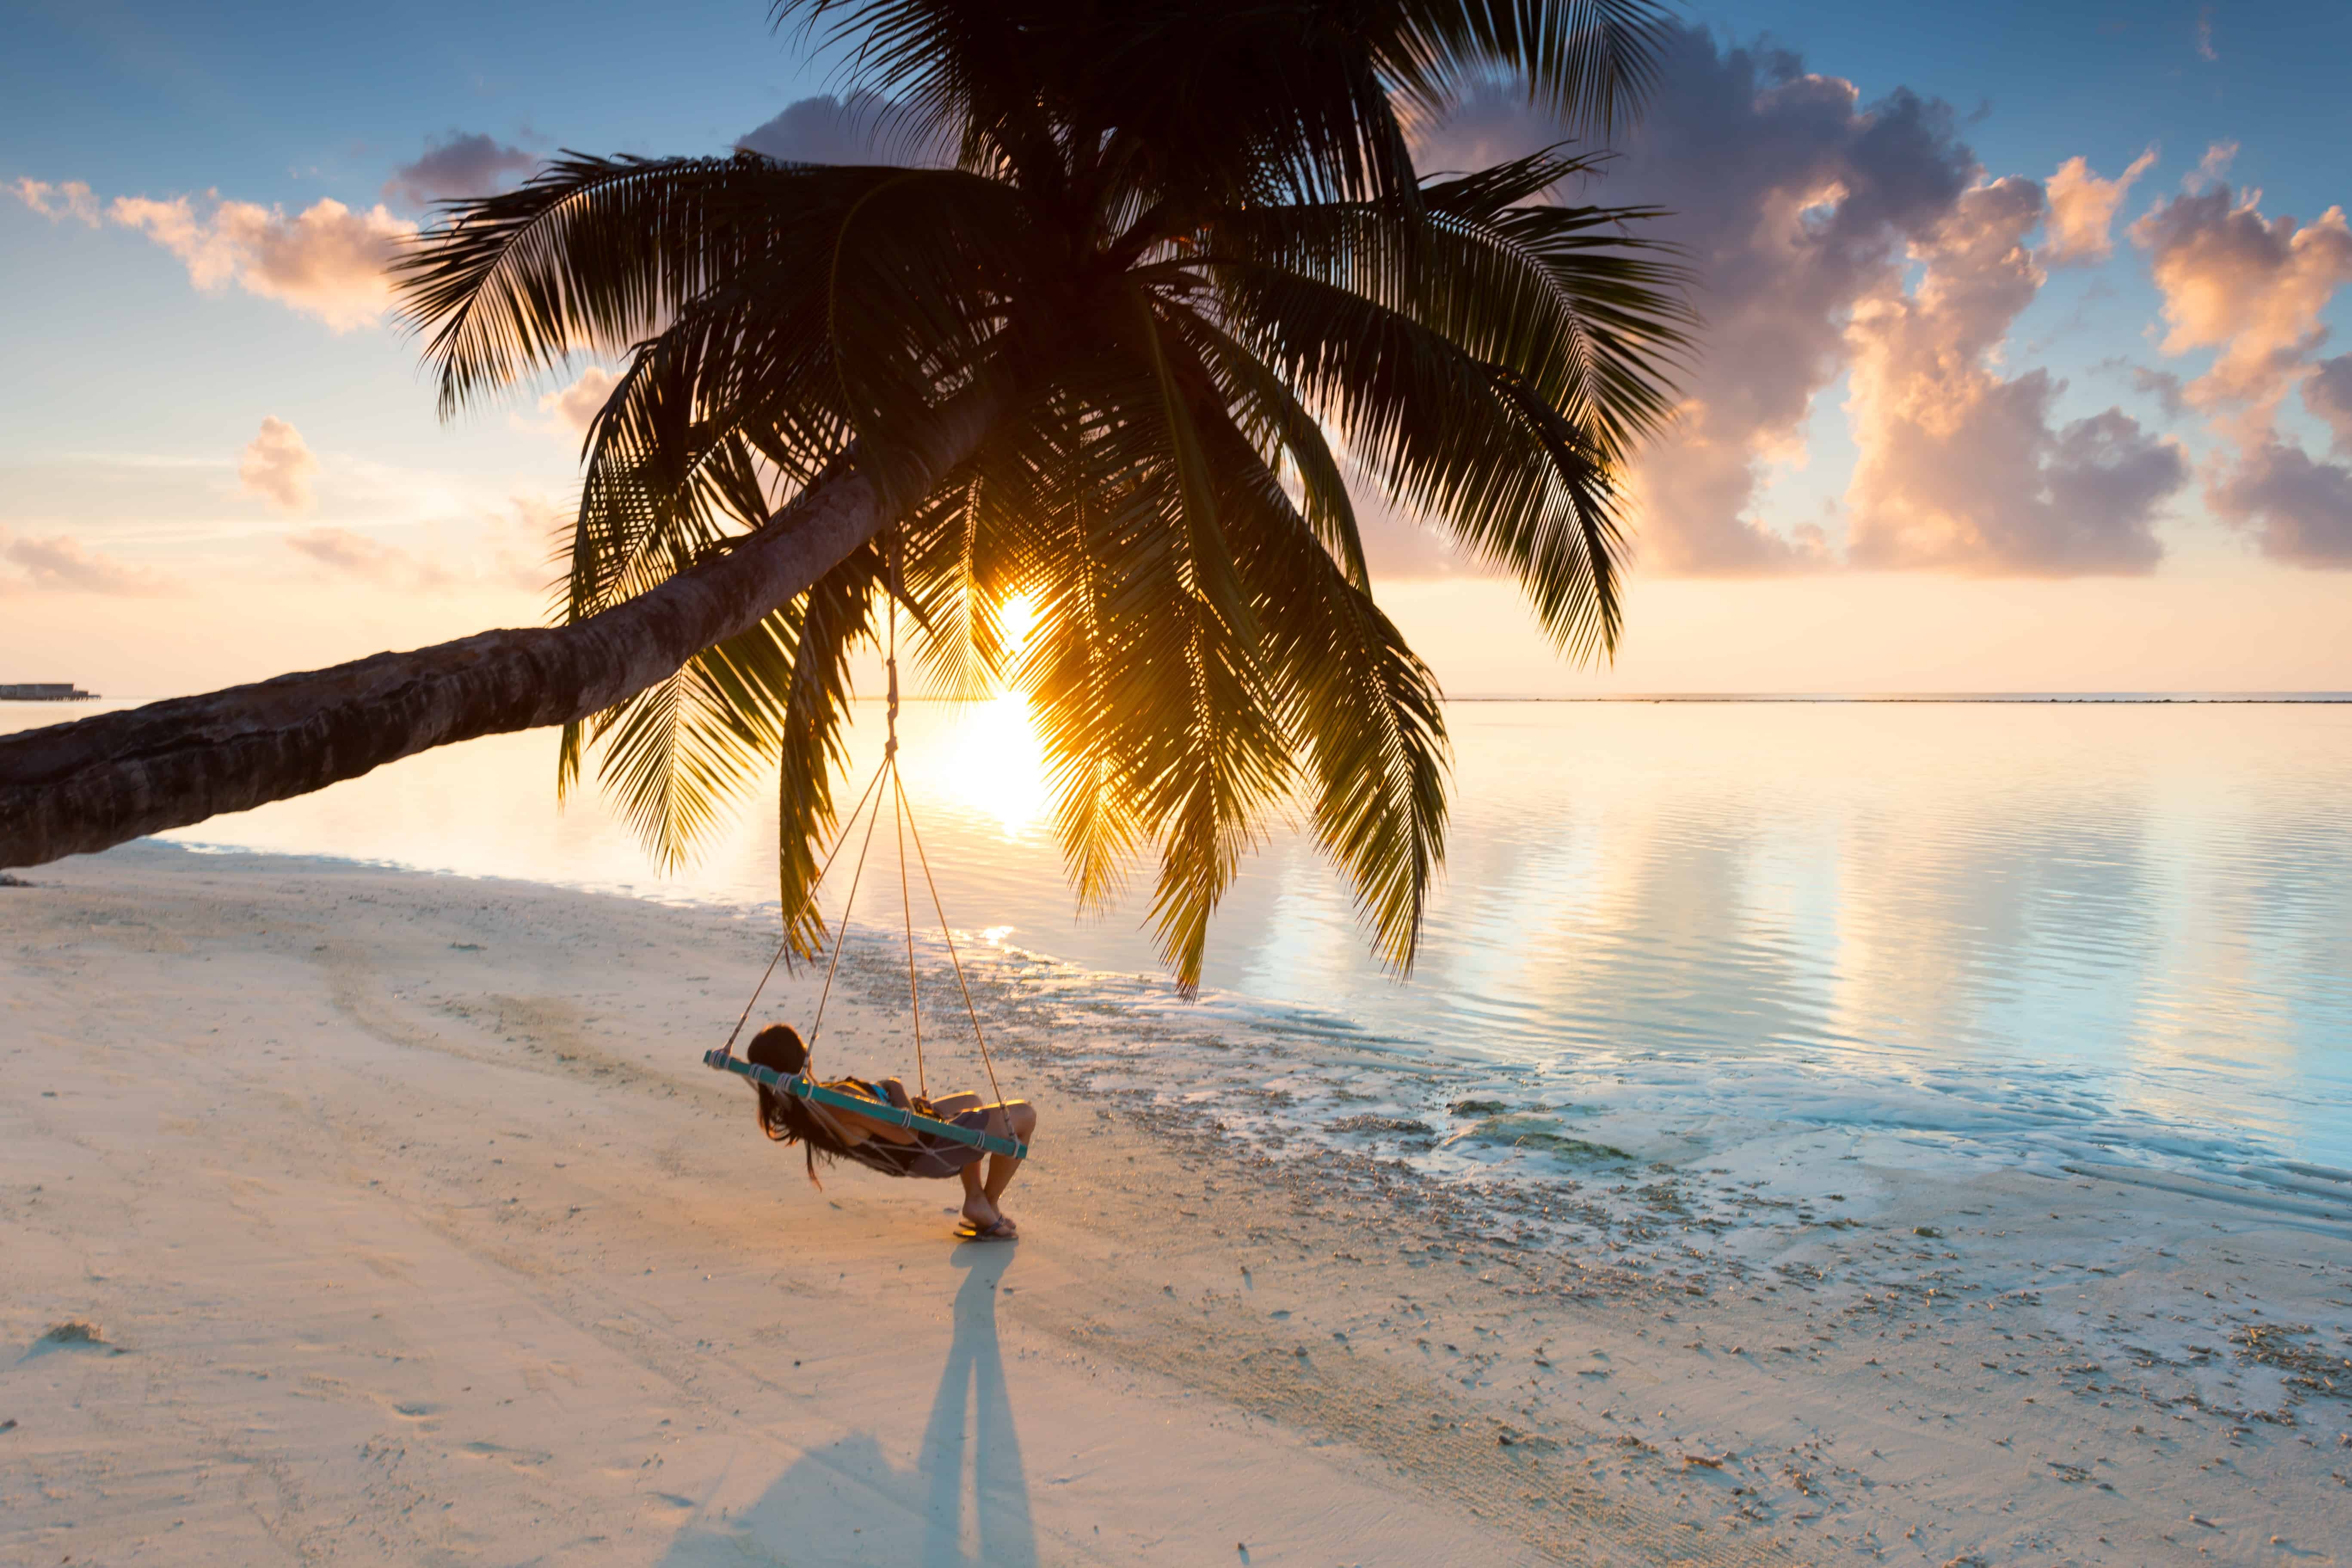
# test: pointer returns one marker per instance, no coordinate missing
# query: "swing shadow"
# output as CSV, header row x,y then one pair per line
x,y
849,1503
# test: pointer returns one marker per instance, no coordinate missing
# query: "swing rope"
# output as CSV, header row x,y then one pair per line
x,y
841,931
839,842
905,826
953,957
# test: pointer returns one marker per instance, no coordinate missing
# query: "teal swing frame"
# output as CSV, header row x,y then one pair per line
x,y
801,1087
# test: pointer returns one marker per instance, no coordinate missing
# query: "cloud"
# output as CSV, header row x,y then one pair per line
x,y
277,466
1960,467
2082,208
459,165
2252,286
326,261
61,565
2328,394
72,199
1792,199
862,128
2160,385
356,555
2254,289
2300,509
575,405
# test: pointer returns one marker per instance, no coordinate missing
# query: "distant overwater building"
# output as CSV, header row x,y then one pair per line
x,y
45,691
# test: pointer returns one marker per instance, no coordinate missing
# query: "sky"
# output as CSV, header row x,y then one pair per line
x,y
2025,365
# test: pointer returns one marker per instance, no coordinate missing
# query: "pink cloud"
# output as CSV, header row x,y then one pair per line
x,y
2298,509
2082,208
72,199
1797,205
2328,394
61,565
576,405
277,466
327,260
2255,290
1792,199
457,166
2251,287
1960,467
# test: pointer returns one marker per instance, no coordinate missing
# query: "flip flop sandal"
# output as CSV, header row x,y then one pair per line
x,y
1003,1230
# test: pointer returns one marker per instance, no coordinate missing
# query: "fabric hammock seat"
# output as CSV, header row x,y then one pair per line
x,y
800,1086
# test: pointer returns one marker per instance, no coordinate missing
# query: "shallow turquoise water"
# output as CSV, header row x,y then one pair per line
x,y
2031,930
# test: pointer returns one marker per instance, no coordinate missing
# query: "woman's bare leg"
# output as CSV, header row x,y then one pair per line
x,y
978,1212
1014,1118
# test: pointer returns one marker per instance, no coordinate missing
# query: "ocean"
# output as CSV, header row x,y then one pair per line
x,y
2018,932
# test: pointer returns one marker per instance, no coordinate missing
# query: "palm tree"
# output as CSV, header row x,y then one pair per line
x,y
1109,356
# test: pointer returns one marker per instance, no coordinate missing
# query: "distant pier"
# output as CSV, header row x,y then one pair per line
x,y
45,691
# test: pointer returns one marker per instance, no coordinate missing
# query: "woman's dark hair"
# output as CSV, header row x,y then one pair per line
x,y
781,1117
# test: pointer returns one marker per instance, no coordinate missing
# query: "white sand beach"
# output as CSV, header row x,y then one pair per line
x,y
351,1215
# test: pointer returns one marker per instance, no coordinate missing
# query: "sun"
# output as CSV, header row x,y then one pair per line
x,y
993,761
1016,617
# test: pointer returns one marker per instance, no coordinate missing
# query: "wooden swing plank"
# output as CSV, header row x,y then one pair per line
x,y
801,1088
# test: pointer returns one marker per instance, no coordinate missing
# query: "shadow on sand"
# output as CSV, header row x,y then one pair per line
x,y
965,1502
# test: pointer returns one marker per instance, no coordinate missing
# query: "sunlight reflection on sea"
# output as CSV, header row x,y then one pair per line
x,y
1968,920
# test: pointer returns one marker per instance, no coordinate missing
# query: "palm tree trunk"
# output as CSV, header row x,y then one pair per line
x,y
75,788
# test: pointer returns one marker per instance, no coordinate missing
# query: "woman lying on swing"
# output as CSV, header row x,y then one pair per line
x,y
886,1147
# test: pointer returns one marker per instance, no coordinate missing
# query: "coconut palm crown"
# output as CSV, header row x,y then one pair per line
x,y
1176,268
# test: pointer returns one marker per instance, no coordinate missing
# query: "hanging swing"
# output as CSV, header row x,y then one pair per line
x,y
803,1085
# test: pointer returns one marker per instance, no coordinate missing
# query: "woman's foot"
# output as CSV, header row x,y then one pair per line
x,y
983,1219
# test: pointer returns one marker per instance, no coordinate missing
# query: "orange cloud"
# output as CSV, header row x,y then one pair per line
x,y
2254,289
575,405
2252,286
276,465
1958,467
327,260
2082,209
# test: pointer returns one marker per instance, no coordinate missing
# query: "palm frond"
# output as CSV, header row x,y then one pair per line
x,y
836,618
1186,263
1449,437
1589,62
1358,701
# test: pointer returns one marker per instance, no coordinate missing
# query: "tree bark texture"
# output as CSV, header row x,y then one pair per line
x,y
75,788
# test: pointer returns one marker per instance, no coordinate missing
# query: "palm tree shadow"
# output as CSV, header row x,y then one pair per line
x,y
848,1503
